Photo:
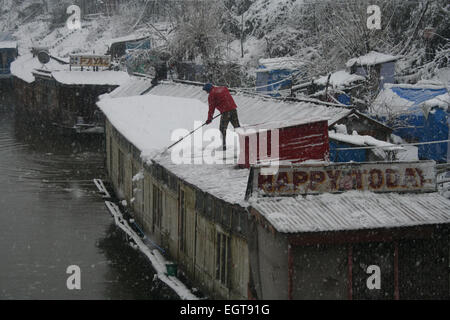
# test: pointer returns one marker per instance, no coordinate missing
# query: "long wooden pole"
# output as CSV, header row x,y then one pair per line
x,y
188,134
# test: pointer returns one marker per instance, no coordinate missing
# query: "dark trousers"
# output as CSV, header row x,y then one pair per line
x,y
225,119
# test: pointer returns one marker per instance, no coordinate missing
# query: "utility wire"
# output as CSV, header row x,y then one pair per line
x,y
393,145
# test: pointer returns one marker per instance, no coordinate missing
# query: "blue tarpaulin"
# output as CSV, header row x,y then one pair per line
x,y
415,125
272,80
418,95
357,155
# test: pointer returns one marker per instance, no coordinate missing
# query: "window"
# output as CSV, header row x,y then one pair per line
x,y
222,257
182,223
157,207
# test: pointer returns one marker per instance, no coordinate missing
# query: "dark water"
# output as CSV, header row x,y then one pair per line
x,y
51,217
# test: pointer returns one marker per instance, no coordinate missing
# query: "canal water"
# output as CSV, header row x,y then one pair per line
x,y
51,217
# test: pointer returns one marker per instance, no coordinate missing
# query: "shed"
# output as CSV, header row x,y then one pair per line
x,y
374,65
418,114
295,142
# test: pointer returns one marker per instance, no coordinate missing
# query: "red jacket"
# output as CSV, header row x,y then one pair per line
x,y
220,99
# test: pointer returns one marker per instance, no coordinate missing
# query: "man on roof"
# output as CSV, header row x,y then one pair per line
x,y
220,98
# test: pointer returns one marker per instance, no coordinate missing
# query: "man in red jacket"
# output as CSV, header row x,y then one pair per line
x,y
220,98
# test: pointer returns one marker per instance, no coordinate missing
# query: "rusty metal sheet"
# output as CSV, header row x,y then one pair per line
x,y
419,176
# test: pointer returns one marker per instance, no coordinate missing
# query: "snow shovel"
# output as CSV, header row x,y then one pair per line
x,y
188,135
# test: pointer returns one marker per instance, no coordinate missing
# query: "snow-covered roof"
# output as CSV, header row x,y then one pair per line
x,y
224,181
359,140
130,37
113,78
149,121
352,210
253,110
340,79
8,44
283,63
370,59
134,86
399,98
24,66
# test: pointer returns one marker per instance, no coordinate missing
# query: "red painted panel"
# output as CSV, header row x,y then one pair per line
x,y
296,144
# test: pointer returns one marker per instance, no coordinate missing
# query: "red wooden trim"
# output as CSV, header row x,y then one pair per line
x,y
396,288
350,272
290,272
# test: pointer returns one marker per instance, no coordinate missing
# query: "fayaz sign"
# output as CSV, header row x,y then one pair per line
x,y
90,61
419,176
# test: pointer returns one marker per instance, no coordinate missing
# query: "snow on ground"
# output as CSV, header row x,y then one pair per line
x,y
253,49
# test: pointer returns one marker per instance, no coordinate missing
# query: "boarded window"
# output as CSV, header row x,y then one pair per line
x,y
222,257
182,222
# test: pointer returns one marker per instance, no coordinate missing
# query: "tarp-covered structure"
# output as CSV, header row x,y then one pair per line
x,y
275,74
418,113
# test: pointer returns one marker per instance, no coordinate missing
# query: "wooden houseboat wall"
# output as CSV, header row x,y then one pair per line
x,y
332,265
48,102
24,96
206,236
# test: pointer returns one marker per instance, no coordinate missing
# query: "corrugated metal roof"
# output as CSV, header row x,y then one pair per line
x,y
352,210
254,110
135,86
